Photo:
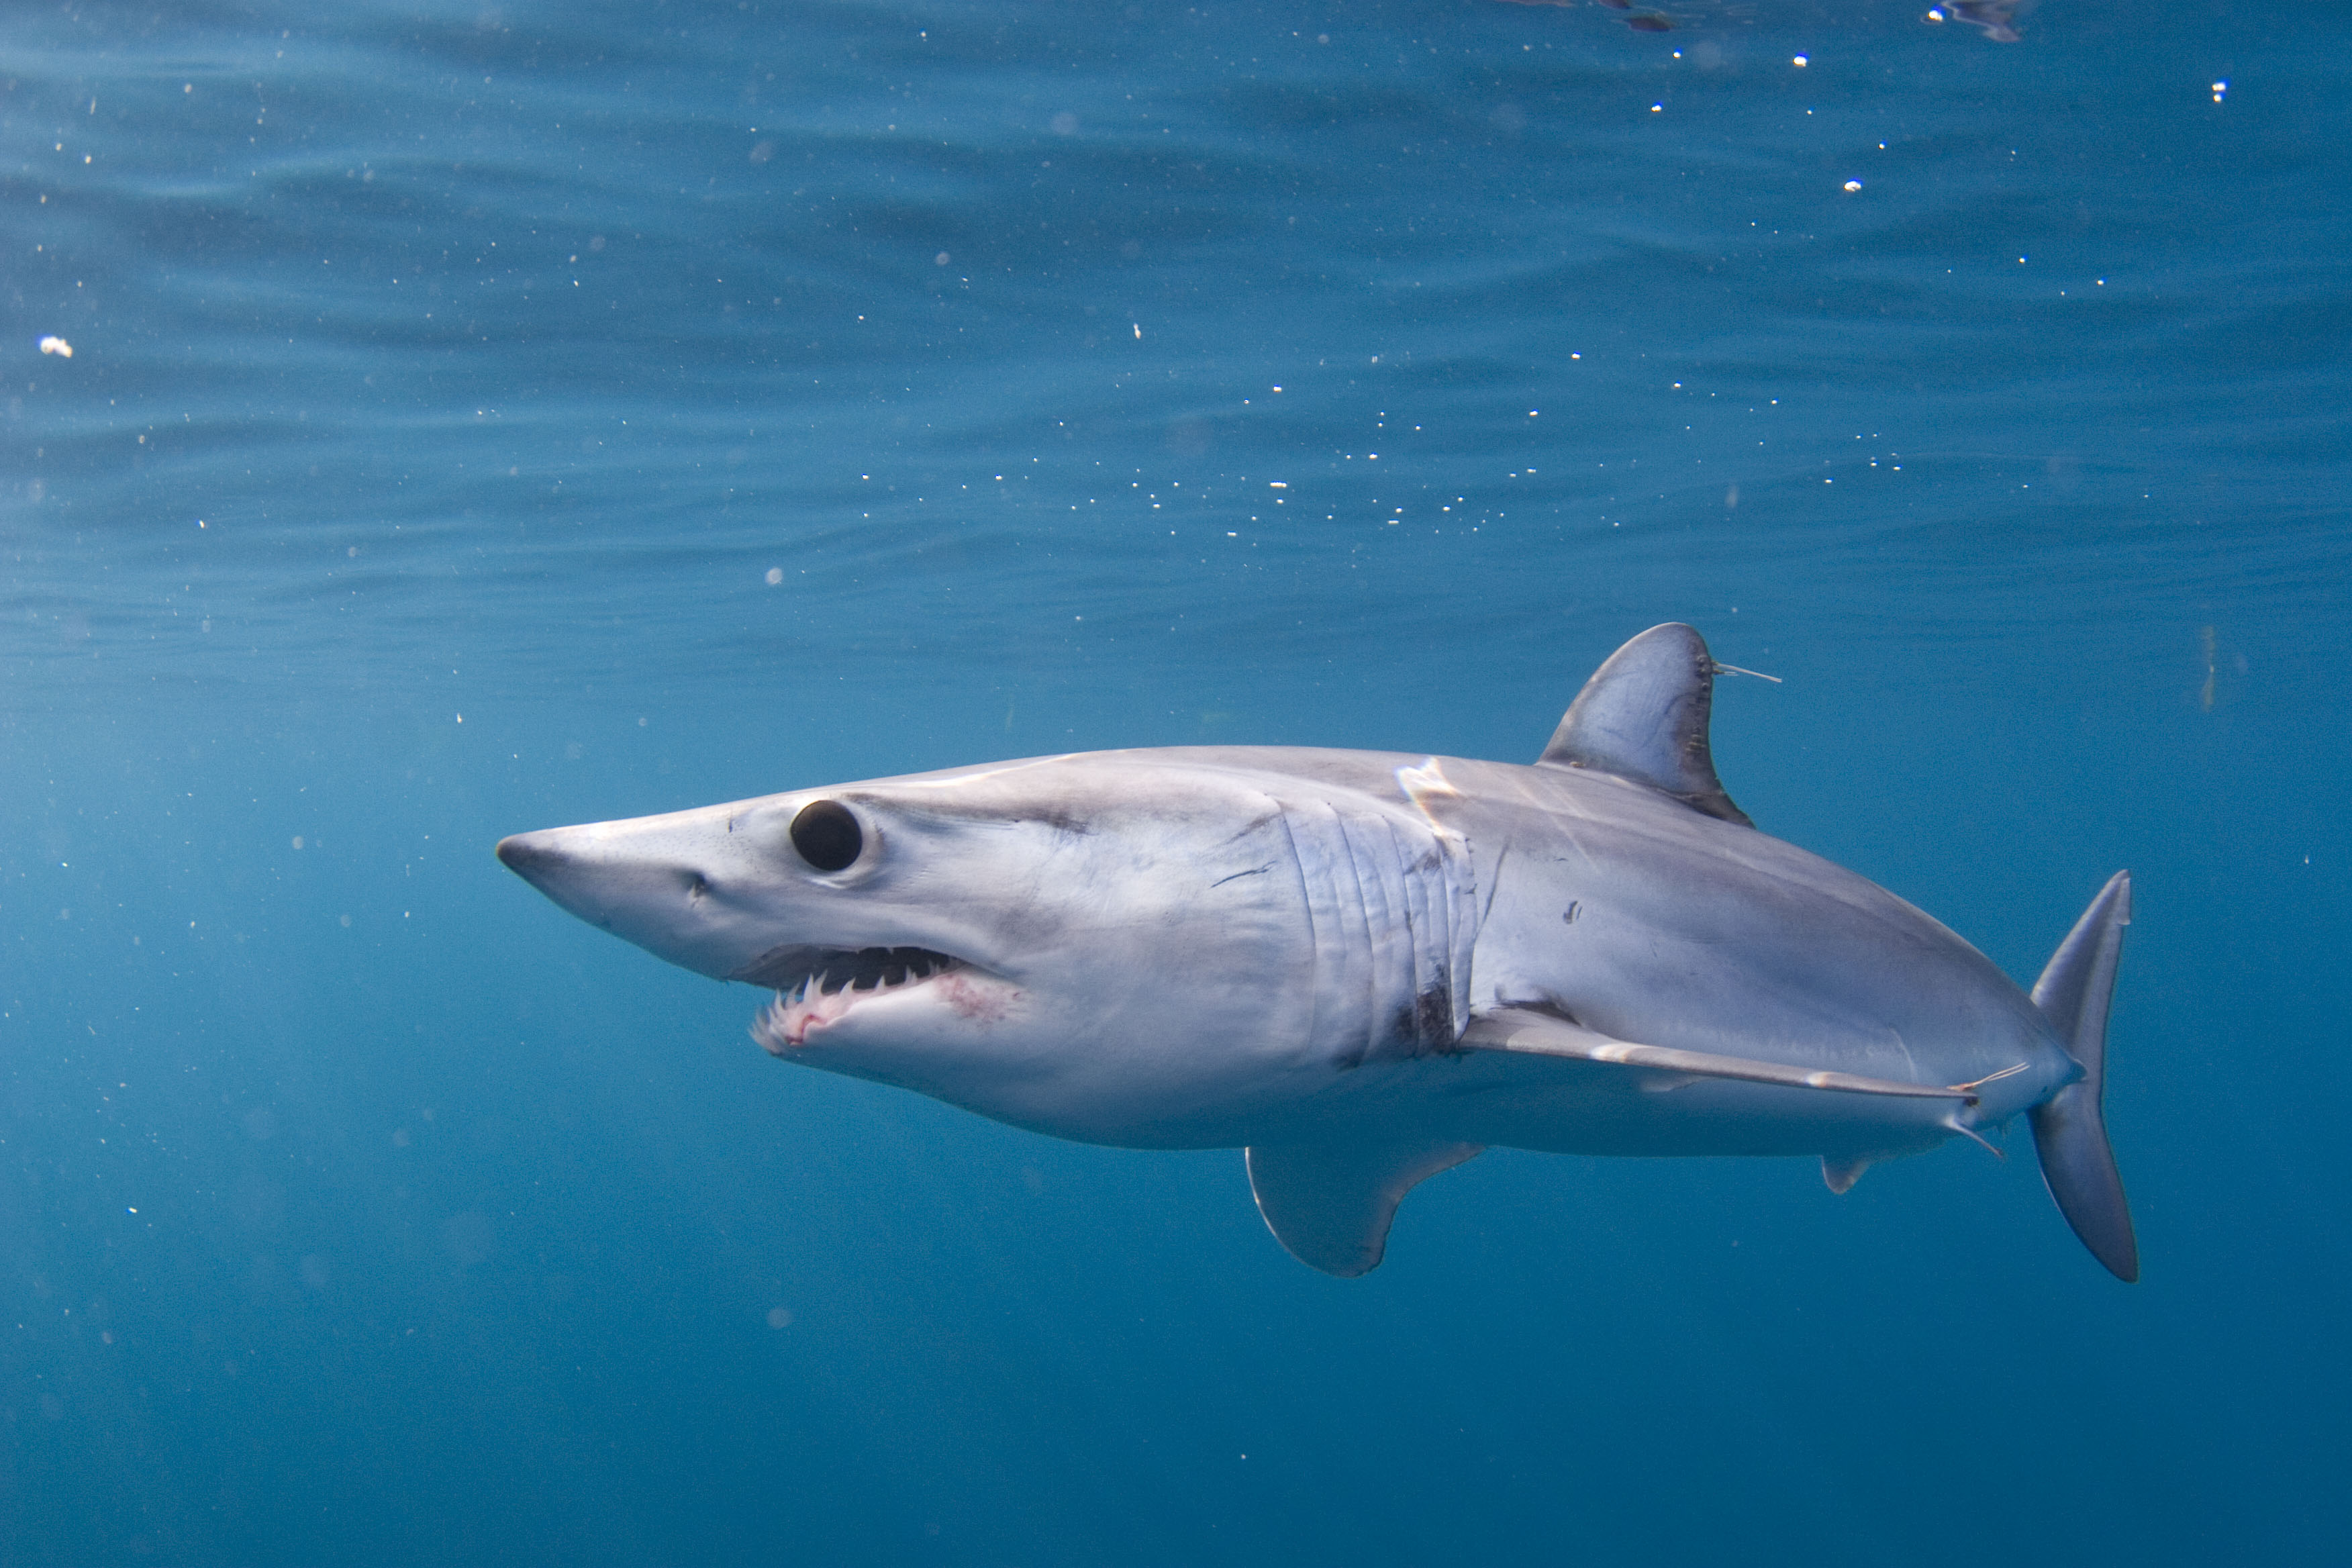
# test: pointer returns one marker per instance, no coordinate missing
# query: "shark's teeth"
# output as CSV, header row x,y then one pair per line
x,y
837,980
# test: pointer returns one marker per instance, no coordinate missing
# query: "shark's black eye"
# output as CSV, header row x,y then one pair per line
x,y
826,834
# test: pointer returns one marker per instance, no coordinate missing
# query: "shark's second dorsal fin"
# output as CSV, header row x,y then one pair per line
x,y
1643,717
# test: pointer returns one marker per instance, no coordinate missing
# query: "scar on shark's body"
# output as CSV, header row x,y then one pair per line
x,y
1417,958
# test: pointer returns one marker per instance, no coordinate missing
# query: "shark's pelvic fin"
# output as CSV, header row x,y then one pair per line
x,y
1539,1034
1329,1204
1643,717
1842,1174
2070,1130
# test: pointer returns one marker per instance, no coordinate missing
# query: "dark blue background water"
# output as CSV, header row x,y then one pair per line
x,y
484,419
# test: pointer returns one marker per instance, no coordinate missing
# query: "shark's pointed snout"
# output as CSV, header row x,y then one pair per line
x,y
558,864
650,881
530,855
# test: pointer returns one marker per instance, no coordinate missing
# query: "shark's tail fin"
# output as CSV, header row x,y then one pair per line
x,y
2070,1131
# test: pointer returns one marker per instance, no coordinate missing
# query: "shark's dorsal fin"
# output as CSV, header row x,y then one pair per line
x,y
1329,1204
1643,717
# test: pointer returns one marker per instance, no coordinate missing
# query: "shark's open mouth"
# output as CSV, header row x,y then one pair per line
x,y
816,986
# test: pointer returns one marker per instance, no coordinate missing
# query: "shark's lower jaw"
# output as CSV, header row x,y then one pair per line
x,y
834,982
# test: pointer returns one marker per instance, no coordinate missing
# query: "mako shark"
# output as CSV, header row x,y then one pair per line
x,y
1363,968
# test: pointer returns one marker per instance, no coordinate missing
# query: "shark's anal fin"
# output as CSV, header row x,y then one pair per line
x,y
1539,1034
1329,1204
2070,1128
1841,1174
1643,717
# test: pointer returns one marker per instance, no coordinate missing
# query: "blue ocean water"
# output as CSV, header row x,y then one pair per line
x,y
485,417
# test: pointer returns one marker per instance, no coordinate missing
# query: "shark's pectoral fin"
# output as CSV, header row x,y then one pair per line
x,y
1842,1174
1539,1034
1329,1204
1643,717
